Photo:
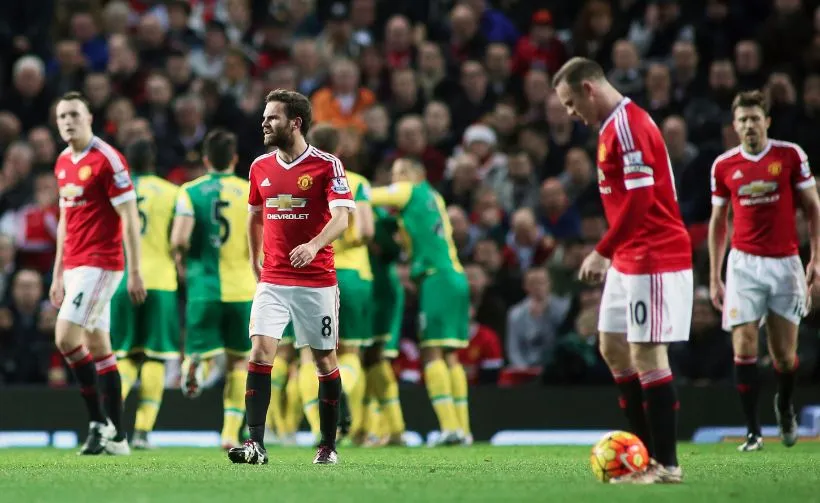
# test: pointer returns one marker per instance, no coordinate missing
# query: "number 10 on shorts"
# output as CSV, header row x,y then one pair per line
x,y
637,313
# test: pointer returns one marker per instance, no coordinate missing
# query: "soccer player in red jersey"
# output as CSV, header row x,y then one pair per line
x,y
98,213
764,179
299,202
645,257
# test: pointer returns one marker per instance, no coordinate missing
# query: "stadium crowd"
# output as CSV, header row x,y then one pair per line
x,y
464,86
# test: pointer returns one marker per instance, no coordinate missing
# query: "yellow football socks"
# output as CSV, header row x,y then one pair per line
x,y
128,375
350,368
152,385
293,404
233,399
309,389
460,396
386,389
276,415
440,390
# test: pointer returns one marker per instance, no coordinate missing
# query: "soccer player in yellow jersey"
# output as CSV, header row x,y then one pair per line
x,y
210,242
144,337
444,297
355,292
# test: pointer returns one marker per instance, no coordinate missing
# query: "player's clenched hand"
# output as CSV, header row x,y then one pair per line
x,y
136,290
716,292
594,267
812,272
303,255
56,292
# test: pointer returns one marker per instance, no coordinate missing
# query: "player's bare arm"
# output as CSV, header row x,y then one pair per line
x,y
255,223
811,207
181,231
131,239
718,239
304,254
365,226
57,290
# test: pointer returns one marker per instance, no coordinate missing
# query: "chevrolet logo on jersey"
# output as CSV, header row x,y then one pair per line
x,y
757,188
71,191
285,202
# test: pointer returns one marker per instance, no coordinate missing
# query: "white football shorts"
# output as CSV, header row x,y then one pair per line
x,y
756,285
88,292
651,308
313,310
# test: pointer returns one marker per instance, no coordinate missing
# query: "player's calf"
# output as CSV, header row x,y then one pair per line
x,y
659,392
782,338
616,353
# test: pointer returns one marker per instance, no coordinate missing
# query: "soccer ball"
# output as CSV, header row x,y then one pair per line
x,y
618,453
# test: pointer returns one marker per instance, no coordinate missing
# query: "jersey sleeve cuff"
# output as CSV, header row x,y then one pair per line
x,y
131,195
254,208
347,203
805,184
718,201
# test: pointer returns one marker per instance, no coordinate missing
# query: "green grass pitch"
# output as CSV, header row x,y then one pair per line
x,y
713,474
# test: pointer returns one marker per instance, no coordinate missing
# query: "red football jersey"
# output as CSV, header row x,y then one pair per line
x,y
646,233
91,184
761,188
482,352
296,199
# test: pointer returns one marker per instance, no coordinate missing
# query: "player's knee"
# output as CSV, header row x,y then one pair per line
x,y
784,362
649,356
615,351
99,344
745,339
431,354
325,360
263,349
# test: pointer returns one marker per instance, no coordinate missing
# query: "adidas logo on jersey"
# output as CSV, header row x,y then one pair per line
x,y
738,174
265,183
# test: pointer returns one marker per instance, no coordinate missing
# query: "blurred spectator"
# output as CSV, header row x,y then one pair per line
x,y
66,72
127,78
29,99
578,179
626,75
520,188
483,357
466,41
687,79
786,32
343,102
593,34
465,235
398,43
532,324
336,39
475,98
749,65
460,188
34,226
480,141
407,99
503,282
85,30
433,78
437,124
7,265
180,36
502,80
555,213
26,328
495,26
152,41
308,66
575,358
658,99
44,149
661,26
16,185
541,48
527,244
411,141
208,61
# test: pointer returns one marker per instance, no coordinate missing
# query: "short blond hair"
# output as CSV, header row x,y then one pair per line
x,y
577,70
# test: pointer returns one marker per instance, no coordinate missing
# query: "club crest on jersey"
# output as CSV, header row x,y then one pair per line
x,y
285,202
304,182
84,173
339,185
601,152
775,168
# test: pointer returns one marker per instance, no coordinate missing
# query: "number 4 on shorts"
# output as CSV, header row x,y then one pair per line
x,y
78,300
